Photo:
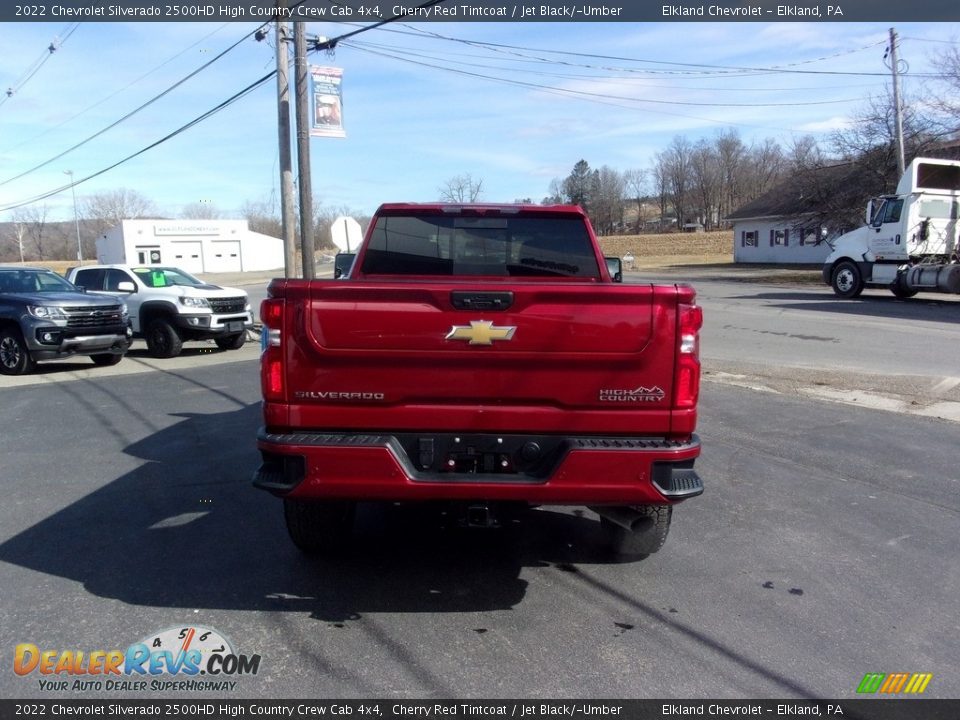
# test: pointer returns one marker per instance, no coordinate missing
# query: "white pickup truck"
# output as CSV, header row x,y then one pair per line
x,y
168,306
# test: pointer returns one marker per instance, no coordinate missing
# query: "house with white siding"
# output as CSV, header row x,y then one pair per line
x,y
786,225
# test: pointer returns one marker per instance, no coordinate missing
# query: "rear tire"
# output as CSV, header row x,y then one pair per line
x,y
231,342
846,281
163,339
900,290
15,358
648,535
106,359
320,527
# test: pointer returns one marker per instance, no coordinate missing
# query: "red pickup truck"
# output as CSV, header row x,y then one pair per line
x,y
480,355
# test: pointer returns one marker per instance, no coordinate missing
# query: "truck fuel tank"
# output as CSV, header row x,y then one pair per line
x,y
943,278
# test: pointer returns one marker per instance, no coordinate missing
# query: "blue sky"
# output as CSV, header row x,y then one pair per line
x,y
563,91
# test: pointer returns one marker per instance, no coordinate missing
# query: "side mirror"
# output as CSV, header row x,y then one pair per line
x,y
615,269
126,286
342,264
869,212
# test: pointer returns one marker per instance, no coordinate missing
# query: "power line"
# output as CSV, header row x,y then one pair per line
x,y
183,128
116,92
787,69
200,118
704,68
587,94
655,82
129,115
332,43
55,45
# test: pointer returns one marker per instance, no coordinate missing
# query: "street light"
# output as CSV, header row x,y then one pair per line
x,y
76,218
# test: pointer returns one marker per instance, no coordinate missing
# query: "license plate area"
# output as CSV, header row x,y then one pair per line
x,y
454,457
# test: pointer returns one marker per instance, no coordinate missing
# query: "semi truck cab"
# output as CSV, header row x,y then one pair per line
x,y
909,241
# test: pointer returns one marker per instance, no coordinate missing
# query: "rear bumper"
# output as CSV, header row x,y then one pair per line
x,y
584,471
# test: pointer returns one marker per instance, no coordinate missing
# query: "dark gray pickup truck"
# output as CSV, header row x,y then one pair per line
x,y
44,317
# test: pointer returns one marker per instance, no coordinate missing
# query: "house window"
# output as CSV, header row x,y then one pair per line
x,y
809,236
779,238
748,238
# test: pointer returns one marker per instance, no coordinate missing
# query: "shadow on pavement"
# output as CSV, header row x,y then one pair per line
x,y
186,529
922,309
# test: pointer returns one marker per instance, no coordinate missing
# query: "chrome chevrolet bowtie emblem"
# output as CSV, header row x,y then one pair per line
x,y
480,332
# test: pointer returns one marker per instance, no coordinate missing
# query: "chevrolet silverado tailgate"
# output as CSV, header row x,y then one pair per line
x,y
493,356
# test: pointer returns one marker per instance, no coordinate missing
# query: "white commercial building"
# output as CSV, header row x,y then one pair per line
x,y
197,246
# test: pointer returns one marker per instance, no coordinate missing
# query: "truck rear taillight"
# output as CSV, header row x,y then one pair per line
x,y
687,381
271,356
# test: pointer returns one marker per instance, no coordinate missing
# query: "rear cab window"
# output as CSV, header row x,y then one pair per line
x,y
429,244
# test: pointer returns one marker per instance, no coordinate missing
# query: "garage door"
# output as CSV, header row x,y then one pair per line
x,y
187,255
224,256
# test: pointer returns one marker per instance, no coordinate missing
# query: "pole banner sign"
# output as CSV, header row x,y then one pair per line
x,y
326,102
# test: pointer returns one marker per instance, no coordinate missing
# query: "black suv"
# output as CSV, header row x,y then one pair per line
x,y
45,317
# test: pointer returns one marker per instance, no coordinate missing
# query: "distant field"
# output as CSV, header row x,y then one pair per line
x,y
672,248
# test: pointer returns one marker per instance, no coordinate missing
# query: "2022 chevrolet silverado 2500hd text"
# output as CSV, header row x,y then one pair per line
x,y
44,317
483,356
169,306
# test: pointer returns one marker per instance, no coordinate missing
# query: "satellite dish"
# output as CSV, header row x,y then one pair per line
x,y
346,234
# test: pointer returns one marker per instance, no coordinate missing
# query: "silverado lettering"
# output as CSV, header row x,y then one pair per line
x,y
520,369
325,395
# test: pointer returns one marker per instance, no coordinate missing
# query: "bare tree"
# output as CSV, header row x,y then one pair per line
x,y
805,153
607,190
731,156
103,211
765,167
705,177
556,193
676,166
872,136
461,188
262,217
661,187
635,185
947,62
200,211
12,236
34,228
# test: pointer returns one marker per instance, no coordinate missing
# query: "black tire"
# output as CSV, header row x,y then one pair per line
x,y
163,339
106,359
15,358
319,527
231,342
846,281
648,535
900,290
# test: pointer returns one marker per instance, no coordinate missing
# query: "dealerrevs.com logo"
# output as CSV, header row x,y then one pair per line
x,y
190,658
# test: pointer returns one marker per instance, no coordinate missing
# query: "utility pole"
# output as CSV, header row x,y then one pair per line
x,y
897,110
286,166
76,218
303,149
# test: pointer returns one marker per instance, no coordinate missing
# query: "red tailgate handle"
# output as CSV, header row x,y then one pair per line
x,y
473,300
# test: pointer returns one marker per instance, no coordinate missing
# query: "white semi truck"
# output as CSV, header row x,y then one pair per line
x,y
909,243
